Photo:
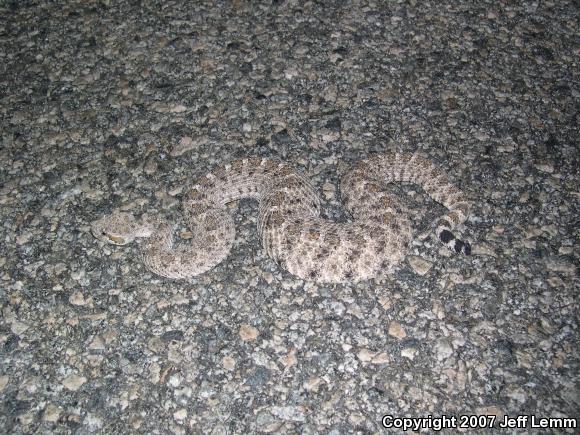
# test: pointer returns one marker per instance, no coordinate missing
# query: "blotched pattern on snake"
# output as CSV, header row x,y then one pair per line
x,y
292,231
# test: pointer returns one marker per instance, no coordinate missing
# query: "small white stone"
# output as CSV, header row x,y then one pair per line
x,y
346,347
381,358
29,386
248,332
26,419
74,382
154,373
179,300
77,274
328,189
480,135
365,355
289,359
517,394
97,344
409,352
385,302
396,330
174,380
290,73
51,413
268,277
559,264
312,384
18,328
438,310
443,349
187,143
24,238
3,382
551,229
229,363
289,413
483,248
420,265
177,108
545,167
150,166
93,422
77,298
180,415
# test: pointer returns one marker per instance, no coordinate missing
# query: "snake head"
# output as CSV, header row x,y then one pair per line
x,y
117,228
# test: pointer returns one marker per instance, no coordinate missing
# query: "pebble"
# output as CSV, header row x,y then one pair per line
x,y
545,167
93,422
248,333
51,413
228,362
443,349
419,265
19,328
381,358
396,330
409,352
268,423
180,414
74,382
560,264
186,144
151,166
329,191
168,107
97,344
291,413
3,382
289,359
78,299
365,355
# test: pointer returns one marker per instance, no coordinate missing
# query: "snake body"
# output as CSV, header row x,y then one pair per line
x,y
292,231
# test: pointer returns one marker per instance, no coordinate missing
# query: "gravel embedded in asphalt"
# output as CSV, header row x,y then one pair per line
x,y
120,105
